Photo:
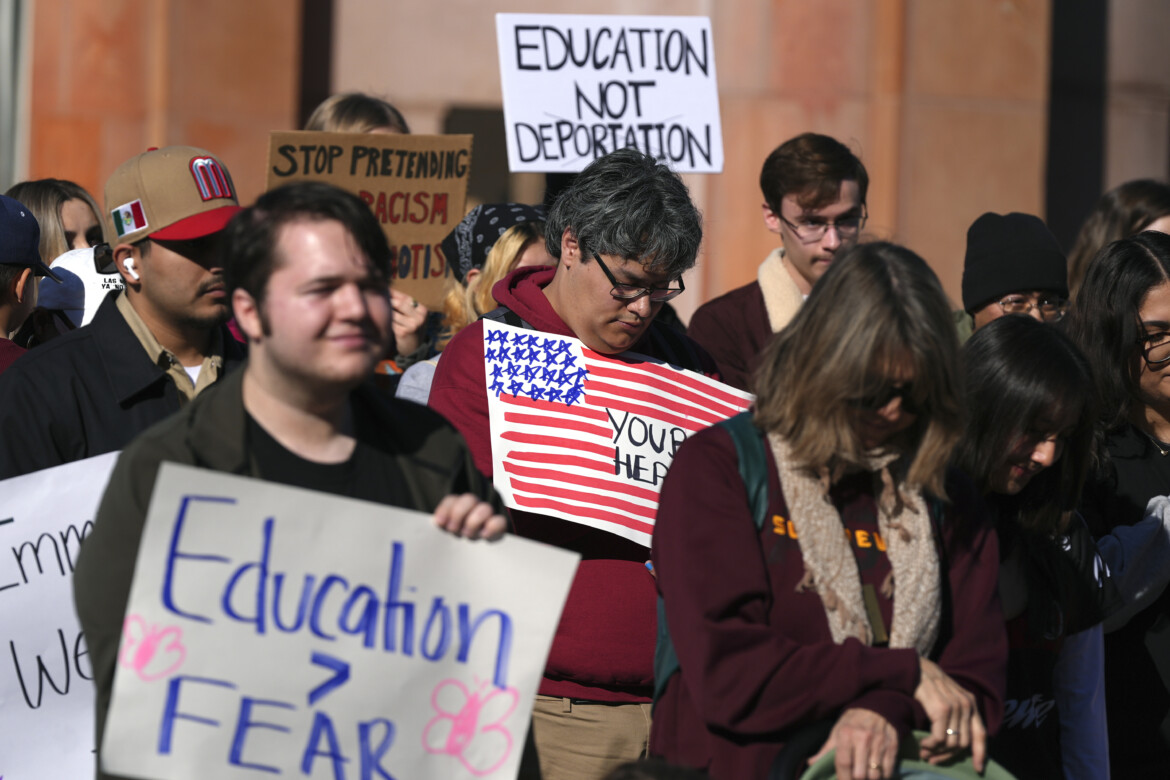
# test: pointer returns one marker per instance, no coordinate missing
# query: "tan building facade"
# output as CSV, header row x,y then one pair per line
x,y
946,101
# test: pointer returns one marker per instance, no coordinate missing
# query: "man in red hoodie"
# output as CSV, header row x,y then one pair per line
x,y
623,234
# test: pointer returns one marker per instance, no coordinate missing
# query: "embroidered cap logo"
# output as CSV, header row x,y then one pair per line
x,y
211,179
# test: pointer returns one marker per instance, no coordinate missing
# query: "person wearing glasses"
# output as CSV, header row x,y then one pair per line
x,y
865,603
1121,321
622,235
1013,265
814,200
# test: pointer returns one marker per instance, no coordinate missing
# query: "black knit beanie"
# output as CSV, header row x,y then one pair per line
x,y
1010,253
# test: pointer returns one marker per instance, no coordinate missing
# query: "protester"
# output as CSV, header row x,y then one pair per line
x,y
814,199
1013,265
308,268
864,597
623,233
20,267
70,220
1142,204
356,112
1030,424
68,215
150,348
1121,321
489,243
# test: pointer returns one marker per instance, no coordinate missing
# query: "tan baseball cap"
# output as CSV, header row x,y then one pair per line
x,y
176,193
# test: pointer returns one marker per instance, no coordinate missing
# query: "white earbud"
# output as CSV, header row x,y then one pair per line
x,y
129,264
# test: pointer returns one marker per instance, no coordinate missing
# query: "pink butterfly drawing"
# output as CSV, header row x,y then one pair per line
x,y
470,725
152,653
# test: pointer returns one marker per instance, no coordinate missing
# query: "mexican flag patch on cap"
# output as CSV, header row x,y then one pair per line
x,y
128,218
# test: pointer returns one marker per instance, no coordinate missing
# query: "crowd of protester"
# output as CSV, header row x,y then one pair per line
x,y
938,541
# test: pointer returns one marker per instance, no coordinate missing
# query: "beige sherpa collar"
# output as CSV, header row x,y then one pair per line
x,y
782,298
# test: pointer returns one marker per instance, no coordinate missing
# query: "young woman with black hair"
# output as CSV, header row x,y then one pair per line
x,y
1030,424
1121,321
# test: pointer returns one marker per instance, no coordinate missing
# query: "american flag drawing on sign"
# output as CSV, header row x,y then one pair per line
x,y
587,437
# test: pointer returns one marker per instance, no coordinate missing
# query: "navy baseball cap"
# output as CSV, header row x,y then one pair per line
x,y
20,238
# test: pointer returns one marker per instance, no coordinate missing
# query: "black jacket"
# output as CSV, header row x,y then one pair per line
x,y
85,393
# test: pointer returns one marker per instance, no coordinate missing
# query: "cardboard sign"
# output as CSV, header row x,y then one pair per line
x,y
277,630
416,185
46,693
587,437
577,87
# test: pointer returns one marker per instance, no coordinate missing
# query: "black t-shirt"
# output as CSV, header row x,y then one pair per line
x,y
368,474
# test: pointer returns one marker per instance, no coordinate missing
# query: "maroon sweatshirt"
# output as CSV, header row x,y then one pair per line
x,y
604,646
757,657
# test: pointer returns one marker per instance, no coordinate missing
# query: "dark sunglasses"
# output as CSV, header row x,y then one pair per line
x,y
881,399
103,259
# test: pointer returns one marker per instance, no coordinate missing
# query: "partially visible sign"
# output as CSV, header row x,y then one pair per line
x,y
577,87
587,437
276,630
416,185
46,693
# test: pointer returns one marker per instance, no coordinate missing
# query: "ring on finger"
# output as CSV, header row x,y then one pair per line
x,y
874,765
951,732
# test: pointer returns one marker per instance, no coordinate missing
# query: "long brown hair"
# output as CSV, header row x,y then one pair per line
x,y
45,197
879,306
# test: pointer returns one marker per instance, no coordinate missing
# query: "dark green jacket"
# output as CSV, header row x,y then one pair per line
x,y
210,433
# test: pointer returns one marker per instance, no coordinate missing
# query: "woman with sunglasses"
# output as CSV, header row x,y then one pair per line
x,y
1028,444
866,600
1121,321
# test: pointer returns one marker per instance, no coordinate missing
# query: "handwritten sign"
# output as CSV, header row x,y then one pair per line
x,y
586,437
577,87
46,693
416,185
273,629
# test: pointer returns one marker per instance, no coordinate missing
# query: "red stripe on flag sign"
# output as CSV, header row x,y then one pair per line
x,y
623,399
558,441
139,217
592,499
605,433
588,482
555,408
548,459
657,369
592,512
680,390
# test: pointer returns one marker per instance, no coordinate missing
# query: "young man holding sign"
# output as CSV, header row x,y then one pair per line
x,y
307,267
623,234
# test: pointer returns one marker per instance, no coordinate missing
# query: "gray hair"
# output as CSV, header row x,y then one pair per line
x,y
627,205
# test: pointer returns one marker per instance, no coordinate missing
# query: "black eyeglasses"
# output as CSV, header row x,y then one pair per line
x,y
629,292
881,398
1155,348
814,229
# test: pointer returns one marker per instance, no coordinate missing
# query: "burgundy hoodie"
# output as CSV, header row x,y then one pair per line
x,y
604,646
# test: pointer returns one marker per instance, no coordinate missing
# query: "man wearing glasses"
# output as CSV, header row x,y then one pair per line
x,y
814,200
1013,266
623,234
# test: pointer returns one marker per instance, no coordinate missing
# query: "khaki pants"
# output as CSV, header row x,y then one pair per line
x,y
578,741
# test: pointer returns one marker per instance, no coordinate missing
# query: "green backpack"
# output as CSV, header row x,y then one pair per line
x,y
753,464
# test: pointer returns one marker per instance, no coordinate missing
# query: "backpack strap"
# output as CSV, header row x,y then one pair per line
x,y
506,315
753,470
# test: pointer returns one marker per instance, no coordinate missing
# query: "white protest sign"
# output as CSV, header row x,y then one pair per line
x,y
587,437
46,693
577,87
277,630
